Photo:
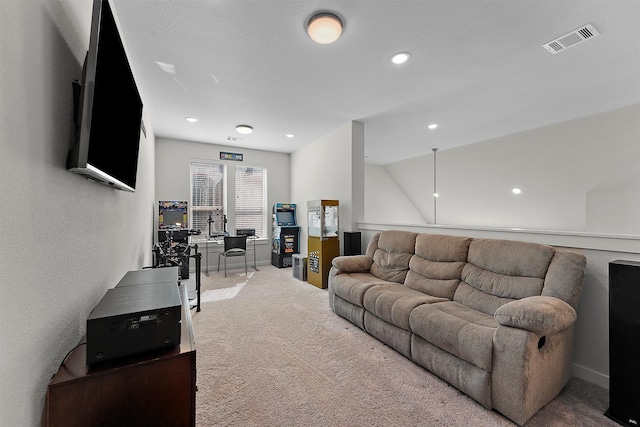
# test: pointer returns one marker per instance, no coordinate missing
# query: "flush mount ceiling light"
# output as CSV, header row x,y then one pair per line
x,y
244,129
432,126
400,58
324,28
191,119
291,135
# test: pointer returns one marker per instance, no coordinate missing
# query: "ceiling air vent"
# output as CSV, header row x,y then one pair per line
x,y
571,39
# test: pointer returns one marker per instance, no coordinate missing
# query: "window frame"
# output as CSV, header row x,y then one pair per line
x,y
262,230
208,208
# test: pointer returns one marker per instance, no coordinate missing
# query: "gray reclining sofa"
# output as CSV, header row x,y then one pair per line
x,y
494,318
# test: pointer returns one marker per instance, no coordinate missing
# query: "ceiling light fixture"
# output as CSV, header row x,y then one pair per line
x,y
191,119
244,129
324,28
516,191
432,126
291,135
400,58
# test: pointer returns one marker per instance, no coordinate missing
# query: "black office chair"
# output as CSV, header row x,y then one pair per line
x,y
233,246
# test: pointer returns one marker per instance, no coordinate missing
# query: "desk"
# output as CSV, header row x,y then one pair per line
x,y
152,388
217,244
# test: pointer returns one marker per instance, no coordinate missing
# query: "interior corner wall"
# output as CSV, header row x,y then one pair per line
x,y
383,197
66,239
324,169
566,171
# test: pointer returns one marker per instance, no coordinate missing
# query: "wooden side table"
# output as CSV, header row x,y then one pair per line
x,y
154,388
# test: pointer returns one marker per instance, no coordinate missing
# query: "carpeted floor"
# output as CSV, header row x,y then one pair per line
x,y
270,352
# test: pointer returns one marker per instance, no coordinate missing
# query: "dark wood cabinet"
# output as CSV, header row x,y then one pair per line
x,y
150,389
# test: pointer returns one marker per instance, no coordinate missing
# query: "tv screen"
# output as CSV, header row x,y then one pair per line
x,y
109,109
285,218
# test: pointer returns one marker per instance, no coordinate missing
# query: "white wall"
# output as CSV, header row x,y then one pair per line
x,y
580,175
331,168
173,159
65,239
384,192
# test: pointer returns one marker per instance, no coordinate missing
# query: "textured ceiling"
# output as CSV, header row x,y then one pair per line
x,y
478,69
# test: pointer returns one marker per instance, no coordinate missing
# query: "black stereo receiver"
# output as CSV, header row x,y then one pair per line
x,y
134,319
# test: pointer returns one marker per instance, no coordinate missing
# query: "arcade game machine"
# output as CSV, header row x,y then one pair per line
x,y
323,241
285,235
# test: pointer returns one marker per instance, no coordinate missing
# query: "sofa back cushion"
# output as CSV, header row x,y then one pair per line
x,y
391,252
500,271
436,267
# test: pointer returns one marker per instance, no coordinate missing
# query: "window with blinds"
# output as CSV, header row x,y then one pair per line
x,y
207,196
251,205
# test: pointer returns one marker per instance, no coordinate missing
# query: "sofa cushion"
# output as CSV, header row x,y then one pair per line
x,y
351,287
393,303
392,255
501,271
437,265
456,329
510,257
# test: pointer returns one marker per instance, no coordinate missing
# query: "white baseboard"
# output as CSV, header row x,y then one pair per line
x,y
590,375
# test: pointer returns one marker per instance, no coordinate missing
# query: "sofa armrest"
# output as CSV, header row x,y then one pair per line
x,y
539,314
353,264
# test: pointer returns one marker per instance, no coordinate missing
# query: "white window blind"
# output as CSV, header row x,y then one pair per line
x,y
207,196
250,198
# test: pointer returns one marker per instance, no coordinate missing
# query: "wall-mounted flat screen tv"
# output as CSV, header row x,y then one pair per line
x,y
109,108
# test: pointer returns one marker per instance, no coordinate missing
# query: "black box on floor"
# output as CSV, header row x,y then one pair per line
x,y
281,260
134,319
352,245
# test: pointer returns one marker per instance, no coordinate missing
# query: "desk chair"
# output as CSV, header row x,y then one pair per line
x,y
233,246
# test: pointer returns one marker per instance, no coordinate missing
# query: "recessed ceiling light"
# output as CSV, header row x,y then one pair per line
x,y
291,135
244,129
432,126
191,119
516,191
400,58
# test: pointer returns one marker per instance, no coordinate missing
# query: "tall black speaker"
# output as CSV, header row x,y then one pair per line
x,y
352,245
624,342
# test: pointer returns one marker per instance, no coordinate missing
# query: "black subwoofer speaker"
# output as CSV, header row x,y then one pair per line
x,y
624,342
352,244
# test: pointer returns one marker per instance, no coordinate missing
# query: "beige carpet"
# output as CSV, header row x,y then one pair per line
x,y
270,352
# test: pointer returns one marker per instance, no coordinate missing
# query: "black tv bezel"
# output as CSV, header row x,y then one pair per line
x,y
78,160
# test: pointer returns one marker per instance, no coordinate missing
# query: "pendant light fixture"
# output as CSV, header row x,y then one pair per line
x,y
324,28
